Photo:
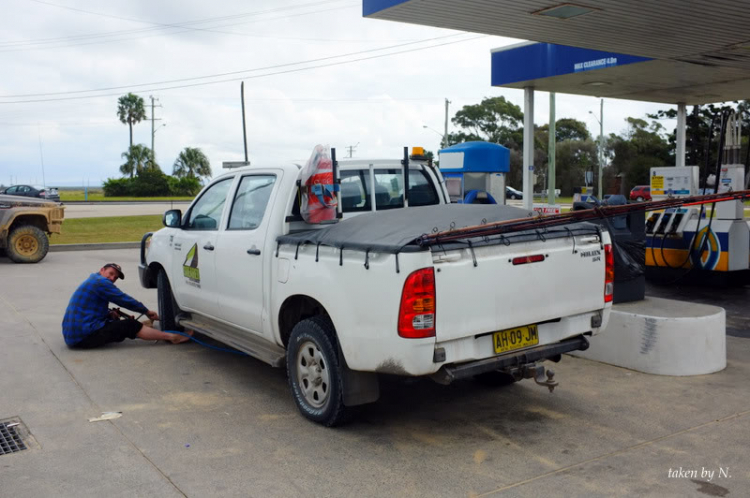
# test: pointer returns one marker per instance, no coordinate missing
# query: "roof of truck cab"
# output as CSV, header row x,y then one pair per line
x,y
343,164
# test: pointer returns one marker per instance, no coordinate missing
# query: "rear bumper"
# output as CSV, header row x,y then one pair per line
x,y
449,373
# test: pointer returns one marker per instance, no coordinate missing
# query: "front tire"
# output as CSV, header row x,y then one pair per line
x,y
315,372
27,244
167,306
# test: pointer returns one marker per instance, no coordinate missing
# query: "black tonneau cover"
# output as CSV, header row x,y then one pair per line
x,y
397,230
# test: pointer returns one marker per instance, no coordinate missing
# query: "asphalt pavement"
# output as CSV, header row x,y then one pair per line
x,y
105,209
197,422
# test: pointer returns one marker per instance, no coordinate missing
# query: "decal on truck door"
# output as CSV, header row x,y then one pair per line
x,y
190,267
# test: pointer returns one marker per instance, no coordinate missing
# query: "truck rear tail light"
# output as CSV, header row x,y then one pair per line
x,y
609,273
522,260
416,317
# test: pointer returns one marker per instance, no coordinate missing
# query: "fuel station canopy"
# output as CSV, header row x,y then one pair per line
x,y
692,52
667,51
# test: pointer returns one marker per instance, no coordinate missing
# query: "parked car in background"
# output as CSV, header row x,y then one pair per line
x,y
511,193
25,225
641,193
46,193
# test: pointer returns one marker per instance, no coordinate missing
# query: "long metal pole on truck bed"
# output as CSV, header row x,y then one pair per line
x,y
520,224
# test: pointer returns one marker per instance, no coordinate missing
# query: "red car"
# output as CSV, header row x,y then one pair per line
x,y
641,193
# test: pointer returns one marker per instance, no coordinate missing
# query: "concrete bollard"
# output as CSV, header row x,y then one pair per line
x,y
662,337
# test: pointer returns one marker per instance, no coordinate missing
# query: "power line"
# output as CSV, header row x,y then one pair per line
x,y
311,100
156,25
232,73
20,45
249,77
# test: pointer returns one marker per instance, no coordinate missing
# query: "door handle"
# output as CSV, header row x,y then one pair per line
x,y
254,252
208,247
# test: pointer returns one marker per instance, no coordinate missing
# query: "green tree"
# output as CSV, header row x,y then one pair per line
x,y
137,159
494,119
130,110
638,149
698,132
572,159
192,163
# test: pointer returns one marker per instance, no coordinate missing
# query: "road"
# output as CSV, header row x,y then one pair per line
x,y
105,209
199,422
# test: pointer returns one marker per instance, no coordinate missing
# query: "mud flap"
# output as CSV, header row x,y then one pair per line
x,y
360,387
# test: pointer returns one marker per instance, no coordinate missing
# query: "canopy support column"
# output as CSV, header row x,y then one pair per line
x,y
528,148
681,125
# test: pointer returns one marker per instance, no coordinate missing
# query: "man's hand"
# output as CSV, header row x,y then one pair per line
x,y
114,315
152,315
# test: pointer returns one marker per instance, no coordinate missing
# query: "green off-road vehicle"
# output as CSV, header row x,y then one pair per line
x,y
24,225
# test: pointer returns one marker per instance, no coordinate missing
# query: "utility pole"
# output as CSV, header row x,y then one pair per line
x,y
153,131
41,154
601,147
351,149
445,135
244,128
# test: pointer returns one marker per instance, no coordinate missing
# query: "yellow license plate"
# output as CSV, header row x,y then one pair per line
x,y
517,338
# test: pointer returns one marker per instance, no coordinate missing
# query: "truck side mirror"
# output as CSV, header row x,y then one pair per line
x,y
172,218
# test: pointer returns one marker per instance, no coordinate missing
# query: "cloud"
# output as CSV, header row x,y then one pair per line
x,y
380,104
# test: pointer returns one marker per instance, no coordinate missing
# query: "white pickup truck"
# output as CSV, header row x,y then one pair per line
x,y
339,303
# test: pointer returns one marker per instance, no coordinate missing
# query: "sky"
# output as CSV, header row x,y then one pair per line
x,y
315,72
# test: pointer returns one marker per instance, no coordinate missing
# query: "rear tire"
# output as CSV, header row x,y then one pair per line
x,y
315,372
168,309
27,244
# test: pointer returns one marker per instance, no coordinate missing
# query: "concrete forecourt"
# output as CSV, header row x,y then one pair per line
x,y
198,422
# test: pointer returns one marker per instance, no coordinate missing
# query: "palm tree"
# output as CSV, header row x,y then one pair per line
x,y
137,158
192,163
130,110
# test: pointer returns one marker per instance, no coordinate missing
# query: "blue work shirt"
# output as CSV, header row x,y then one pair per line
x,y
88,309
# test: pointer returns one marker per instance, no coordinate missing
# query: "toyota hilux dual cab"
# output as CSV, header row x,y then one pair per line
x,y
338,303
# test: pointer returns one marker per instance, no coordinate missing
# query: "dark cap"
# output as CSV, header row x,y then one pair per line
x,y
116,267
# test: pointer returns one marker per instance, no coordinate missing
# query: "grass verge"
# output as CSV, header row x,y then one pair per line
x,y
98,196
111,229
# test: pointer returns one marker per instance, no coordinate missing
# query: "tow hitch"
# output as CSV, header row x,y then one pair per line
x,y
536,372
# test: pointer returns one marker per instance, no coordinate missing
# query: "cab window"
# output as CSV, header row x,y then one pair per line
x,y
389,189
250,202
206,212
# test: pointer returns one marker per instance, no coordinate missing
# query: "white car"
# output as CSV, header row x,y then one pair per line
x,y
339,303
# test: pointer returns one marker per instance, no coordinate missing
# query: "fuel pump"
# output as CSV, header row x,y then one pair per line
x,y
686,238
475,172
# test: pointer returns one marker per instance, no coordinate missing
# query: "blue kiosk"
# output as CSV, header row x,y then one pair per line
x,y
474,172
